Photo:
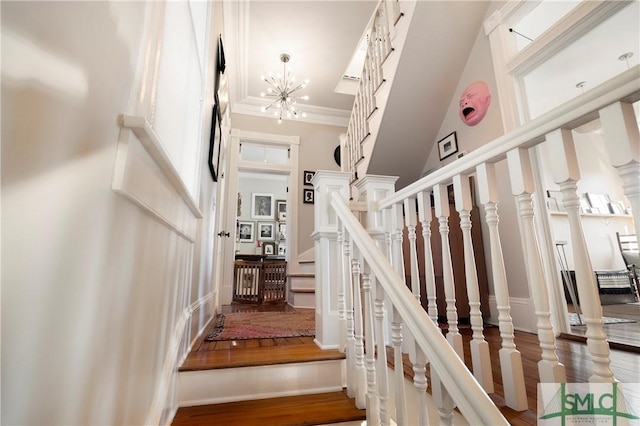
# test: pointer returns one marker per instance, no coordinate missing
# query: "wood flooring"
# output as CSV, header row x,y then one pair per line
x,y
573,354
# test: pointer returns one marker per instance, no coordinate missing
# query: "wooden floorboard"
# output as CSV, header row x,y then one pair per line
x,y
572,353
313,409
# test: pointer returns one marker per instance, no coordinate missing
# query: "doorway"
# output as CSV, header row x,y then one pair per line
x,y
262,196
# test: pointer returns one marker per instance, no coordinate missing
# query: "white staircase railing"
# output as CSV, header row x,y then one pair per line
x,y
363,275
378,49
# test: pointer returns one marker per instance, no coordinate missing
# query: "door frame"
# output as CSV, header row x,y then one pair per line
x,y
228,218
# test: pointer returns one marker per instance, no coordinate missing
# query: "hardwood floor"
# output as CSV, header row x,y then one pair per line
x,y
245,353
573,354
624,335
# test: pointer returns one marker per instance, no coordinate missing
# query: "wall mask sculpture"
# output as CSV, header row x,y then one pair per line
x,y
474,103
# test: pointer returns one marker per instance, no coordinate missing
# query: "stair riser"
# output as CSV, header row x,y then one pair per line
x,y
246,383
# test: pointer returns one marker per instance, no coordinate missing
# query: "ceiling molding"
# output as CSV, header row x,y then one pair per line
x,y
315,114
236,17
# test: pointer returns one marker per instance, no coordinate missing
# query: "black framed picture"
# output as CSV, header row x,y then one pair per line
x,y
307,196
308,177
448,145
215,141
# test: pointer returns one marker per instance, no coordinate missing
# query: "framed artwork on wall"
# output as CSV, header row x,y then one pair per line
x,y
215,141
307,196
308,177
269,249
448,146
281,209
266,231
246,231
262,206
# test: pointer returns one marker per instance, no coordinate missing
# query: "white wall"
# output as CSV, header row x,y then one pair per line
x,y
96,291
317,143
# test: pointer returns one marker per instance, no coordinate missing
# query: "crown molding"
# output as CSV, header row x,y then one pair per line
x,y
315,114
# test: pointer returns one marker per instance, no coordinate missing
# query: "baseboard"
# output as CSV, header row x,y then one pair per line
x,y
162,410
522,313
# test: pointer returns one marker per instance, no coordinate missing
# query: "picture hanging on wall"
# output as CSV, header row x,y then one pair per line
x,y
262,206
308,177
246,231
266,231
448,145
307,196
215,141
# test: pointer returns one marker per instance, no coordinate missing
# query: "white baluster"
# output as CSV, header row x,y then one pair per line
x,y
398,372
373,402
441,199
350,336
522,186
510,358
410,221
381,360
480,357
420,383
396,237
424,213
346,269
360,372
622,141
566,173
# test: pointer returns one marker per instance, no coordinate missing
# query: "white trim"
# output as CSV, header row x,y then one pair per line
x,y
169,369
146,135
315,114
522,313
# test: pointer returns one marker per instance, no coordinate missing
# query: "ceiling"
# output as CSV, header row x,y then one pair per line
x,y
320,36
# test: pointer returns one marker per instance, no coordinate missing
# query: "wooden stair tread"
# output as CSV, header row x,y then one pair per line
x,y
260,355
314,409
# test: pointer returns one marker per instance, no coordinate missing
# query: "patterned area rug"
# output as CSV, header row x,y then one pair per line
x,y
573,320
263,325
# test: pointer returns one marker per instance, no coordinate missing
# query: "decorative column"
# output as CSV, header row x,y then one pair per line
x,y
480,357
327,252
622,141
510,358
564,165
441,199
522,186
373,189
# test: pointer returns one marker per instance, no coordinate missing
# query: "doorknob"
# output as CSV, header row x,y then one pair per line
x,y
223,234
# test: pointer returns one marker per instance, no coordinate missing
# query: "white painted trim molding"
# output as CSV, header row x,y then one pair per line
x,y
171,362
149,139
522,313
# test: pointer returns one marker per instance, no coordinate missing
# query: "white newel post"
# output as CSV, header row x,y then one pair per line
x,y
622,140
515,394
480,357
522,187
441,201
566,173
328,252
372,189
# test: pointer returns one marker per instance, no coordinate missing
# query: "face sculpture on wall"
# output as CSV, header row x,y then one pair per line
x,y
474,103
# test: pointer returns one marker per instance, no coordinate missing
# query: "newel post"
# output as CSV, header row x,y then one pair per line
x,y
327,256
622,141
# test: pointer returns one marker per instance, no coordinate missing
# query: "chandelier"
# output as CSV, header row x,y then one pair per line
x,y
281,88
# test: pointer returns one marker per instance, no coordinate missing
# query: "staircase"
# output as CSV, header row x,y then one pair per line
x,y
263,378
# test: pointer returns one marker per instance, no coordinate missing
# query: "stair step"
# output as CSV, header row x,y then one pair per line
x,y
314,409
